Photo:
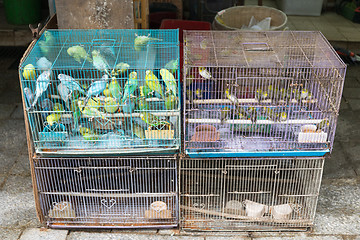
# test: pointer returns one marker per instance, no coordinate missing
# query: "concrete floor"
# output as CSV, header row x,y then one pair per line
x,y
338,212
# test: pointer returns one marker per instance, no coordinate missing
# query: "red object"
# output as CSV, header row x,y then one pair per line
x,y
184,25
155,19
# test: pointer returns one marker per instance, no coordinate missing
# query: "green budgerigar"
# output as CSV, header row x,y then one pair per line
x,y
78,53
138,130
172,65
169,80
321,125
47,43
120,68
151,119
170,101
88,134
142,103
130,86
115,89
142,41
153,82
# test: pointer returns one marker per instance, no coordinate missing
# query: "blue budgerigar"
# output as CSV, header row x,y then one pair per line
x,y
96,88
42,83
130,86
64,93
43,63
100,62
29,96
70,83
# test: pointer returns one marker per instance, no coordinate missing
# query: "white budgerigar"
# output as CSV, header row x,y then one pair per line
x,y
96,88
64,93
204,73
70,83
100,62
42,83
43,63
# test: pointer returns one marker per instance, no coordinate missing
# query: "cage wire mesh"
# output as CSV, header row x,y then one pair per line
x,y
260,92
103,91
108,192
232,194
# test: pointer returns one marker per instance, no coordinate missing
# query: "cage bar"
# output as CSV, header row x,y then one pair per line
x,y
248,92
94,96
239,194
134,192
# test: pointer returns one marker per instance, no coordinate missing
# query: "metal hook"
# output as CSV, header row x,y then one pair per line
x,y
35,31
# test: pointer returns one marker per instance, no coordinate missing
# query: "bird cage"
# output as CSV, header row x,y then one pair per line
x,y
239,194
134,192
256,93
103,91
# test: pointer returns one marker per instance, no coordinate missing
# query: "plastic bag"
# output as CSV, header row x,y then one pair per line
x,y
254,25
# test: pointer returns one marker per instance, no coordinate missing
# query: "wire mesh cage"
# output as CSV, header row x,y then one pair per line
x,y
231,194
108,192
260,92
103,91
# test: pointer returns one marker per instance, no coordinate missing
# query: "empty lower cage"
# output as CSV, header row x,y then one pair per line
x,y
127,192
244,194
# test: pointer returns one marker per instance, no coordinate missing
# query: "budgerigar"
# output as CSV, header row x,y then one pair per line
x,y
141,41
29,96
305,94
147,91
70,83
43,63
78,53
169,80
115,89
64,93
55,117
170,101
130,86
142,103
120,68
261,95
172,65
96,88
321,125
47,43
138,130
110,105
225,112
241,113
231,97
151,119
204,73
29,72
88,134
42,83
282,116
100,62
153,82
270,114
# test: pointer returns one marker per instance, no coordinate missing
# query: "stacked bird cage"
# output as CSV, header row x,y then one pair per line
x,y
239,194
102,113
107,192
260,114
102,91
258,92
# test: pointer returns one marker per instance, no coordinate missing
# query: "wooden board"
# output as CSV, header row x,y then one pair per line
x,y
95,14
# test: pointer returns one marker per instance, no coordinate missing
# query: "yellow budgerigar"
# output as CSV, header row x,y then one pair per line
x,y
169,80
153,82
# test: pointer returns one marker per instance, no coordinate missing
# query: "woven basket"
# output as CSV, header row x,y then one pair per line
x,y
235,17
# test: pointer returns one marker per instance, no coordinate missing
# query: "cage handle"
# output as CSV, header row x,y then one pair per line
x,y
256,47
